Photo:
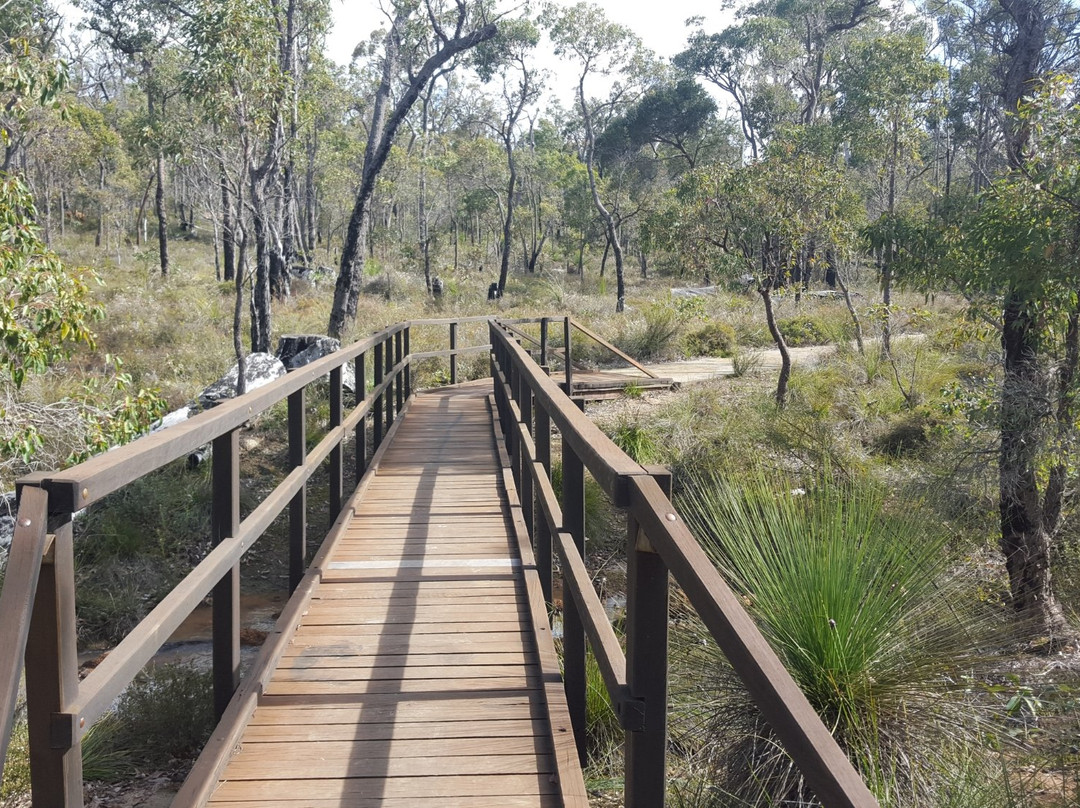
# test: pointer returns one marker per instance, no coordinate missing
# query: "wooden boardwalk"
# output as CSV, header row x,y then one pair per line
x,y
423,670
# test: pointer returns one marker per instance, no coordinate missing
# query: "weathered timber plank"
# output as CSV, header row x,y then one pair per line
x,y
410,787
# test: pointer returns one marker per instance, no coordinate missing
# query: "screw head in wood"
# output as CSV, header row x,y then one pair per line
x,y
671,517
86,493
25,522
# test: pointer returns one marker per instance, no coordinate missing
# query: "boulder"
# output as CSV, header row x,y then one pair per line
x,y
259,369
297,350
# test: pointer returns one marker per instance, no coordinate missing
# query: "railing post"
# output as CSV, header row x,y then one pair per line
x,y
377,410
569,370
524,464
361,426
573,503
408,370
336,482
399,382
298,505
52,676
542,542
646,663
388,355
224,523
453,354
543,341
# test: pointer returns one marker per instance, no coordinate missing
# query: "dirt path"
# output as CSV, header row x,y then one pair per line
x,y
696,370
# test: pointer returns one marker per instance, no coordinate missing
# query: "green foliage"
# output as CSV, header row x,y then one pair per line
x,y
102,757
855,600
637,442
713,339
165,715
45,310
803,330
16,774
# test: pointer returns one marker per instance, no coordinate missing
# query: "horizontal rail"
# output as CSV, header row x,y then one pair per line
x,y
455,352
28,547
655,530
82,485
607,463
600,340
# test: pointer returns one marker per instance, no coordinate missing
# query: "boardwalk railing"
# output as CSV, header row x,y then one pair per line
x,y
658,542
38,598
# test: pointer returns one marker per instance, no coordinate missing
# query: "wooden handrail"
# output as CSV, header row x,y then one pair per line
x,y
52,497
28,547
658,542
601,341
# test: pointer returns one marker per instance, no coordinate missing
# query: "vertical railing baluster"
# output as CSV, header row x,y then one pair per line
x,y
542,438
408,370
399,384
544,342
525,467
569,369
225,523
361,426
646,663
377,412
298,505
52,675
453,353
336,482
573,503
388,355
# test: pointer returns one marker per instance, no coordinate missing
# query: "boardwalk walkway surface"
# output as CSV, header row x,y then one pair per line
x,y
423,671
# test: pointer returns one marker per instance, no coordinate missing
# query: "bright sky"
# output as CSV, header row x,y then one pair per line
x,y
661,26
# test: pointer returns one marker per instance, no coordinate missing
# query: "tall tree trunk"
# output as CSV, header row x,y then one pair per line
x,y
228,237
765,290
159,209
380,139
1025,532
99,237
605,214
260,289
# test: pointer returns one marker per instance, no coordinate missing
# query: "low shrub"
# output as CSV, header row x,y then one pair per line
x,y
713,339
803,330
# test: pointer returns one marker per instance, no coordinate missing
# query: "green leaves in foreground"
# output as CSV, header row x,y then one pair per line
x,y
853,598
44,307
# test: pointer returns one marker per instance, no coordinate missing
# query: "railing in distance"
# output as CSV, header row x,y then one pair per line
x,y
658,542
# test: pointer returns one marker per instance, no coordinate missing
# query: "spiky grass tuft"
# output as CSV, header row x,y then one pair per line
x,y
856,600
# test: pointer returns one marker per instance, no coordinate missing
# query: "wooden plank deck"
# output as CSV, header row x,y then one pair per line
x,y
423,670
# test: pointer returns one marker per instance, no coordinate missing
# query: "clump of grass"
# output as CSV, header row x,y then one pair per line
x,y
637,442
16,774
856,601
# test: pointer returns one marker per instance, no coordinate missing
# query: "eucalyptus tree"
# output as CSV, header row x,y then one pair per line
x,y
507,55
422,38
755,220
598,47
889,90
142,32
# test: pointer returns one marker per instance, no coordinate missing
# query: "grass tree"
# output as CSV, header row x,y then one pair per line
x,y
855,598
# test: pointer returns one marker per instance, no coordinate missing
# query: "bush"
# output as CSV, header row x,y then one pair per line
x,y
657,336
714,339
165,715
803,330
855,601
